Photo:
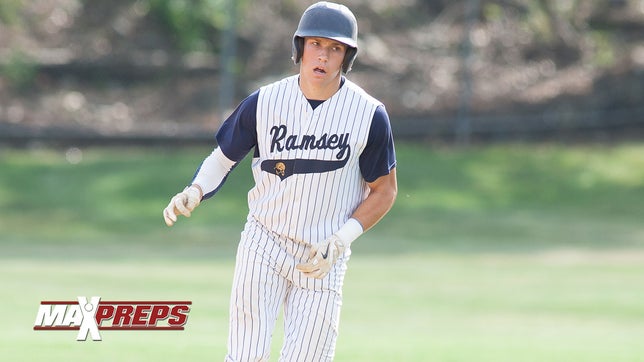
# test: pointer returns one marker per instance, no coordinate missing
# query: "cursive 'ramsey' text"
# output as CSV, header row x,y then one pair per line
x,y
282,141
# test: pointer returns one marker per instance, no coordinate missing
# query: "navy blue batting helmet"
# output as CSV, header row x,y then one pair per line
x,y
328,20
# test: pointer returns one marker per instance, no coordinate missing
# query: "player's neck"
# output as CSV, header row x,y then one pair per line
x,y
319,90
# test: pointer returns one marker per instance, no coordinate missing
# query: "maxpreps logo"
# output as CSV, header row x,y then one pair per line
x,y
94,315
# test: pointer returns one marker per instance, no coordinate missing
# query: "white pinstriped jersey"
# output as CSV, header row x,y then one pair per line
x,y
310,163
308,181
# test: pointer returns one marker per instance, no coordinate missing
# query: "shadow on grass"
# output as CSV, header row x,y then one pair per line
x,y
511,198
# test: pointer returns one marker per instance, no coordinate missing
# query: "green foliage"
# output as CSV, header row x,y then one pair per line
x,y
9,11
492,12
19,70
193,22
604,53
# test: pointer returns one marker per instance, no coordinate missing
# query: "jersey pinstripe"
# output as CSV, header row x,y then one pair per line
x,y
307,178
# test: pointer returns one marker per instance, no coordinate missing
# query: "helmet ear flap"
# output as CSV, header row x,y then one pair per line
x,y
298,49
349,57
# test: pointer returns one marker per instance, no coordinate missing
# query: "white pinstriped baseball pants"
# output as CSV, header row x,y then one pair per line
x,y
265,280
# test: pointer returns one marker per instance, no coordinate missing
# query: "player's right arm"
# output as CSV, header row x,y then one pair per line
x,y
235,138
209,177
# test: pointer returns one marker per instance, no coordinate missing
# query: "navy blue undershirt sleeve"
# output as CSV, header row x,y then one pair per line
x,y
379,156
238,134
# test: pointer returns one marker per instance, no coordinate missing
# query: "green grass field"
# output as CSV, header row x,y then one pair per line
x,y
500,253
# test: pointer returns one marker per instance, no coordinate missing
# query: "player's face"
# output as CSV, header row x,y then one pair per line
x,y
322,60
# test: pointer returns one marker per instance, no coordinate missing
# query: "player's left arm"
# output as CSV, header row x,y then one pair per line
x,y
378,167
382,195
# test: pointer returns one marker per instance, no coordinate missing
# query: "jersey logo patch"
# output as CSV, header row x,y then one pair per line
x,y
280,169
286,168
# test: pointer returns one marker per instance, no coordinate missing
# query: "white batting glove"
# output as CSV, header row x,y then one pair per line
x,y
324,255
182,203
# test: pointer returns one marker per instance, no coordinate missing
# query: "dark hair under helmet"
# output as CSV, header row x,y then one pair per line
x,y
328,20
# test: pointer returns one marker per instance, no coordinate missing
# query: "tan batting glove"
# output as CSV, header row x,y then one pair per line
x,y
324,255
182,203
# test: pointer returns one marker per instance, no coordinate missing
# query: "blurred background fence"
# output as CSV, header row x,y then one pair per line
x,y
150,71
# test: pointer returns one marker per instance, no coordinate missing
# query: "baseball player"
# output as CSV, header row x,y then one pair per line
x,y
324,170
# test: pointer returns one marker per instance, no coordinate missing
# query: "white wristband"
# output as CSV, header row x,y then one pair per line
x,y
350,231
